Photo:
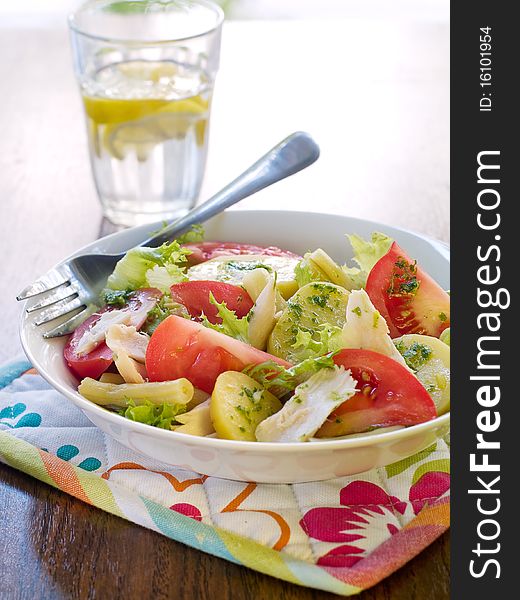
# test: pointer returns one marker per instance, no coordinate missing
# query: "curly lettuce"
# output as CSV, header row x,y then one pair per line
x,y
233,326
319,266
164,277
280,381
329,340
306,271
195,234
154,267
366,254
164,308
132,271
157,415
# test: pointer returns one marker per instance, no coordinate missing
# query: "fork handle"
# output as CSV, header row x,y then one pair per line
x,y
291,155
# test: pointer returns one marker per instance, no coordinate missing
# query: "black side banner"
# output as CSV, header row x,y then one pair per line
x,y
485,236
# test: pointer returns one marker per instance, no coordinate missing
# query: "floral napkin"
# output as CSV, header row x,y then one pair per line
x,y
342,535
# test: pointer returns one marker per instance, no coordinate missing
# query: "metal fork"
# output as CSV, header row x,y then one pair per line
x,y
75,285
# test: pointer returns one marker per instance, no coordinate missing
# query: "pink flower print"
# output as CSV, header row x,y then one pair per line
x,y
430,487
189,510
329,524
370,496
363,501
342,556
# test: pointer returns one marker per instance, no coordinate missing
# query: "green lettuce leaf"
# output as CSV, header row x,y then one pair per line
x,y
195,234
164,308
163,278
357,277
132,270
318,266
280,381
306,271
231,325
366,254
157,415
329,341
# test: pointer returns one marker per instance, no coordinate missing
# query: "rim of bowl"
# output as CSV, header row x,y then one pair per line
x,y
328,444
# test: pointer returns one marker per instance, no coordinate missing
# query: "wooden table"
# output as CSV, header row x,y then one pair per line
x,y
373,94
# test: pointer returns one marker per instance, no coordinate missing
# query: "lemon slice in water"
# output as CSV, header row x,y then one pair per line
x,y
138,136
138,125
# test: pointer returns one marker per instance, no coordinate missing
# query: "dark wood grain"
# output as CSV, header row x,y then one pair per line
x,y
55,547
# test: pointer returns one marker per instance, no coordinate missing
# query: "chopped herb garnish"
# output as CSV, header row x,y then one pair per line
x,y
443,317
409,287
403,281
115,297
295,308
416,355
357,311
249,393
244,412
247,266
323,287
320,301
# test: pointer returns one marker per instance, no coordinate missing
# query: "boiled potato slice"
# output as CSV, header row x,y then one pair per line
x,y
430,360
238,405
313,305
232,269
196,421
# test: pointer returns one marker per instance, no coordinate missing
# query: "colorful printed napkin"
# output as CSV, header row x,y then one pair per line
x,y
342,535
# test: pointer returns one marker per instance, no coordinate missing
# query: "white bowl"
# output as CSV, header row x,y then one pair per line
x,y
250,461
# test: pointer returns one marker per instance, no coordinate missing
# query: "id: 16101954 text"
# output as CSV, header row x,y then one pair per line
x,y
485,69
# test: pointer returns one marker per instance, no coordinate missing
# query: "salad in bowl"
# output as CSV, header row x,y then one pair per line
x,y
258,344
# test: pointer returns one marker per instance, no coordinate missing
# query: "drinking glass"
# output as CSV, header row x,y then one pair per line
x,y
146,70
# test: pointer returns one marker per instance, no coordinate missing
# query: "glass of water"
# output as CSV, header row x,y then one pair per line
x,y
146,70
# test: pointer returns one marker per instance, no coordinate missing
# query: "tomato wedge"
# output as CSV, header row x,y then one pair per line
x,y
195,296
388,395
97,361
207,250
182,348
407,297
